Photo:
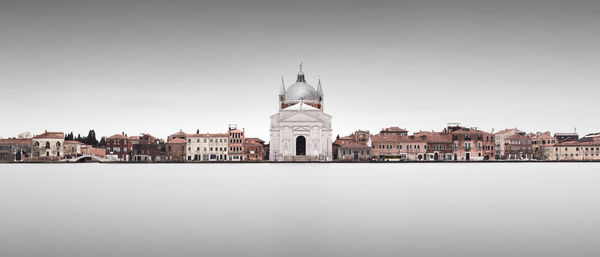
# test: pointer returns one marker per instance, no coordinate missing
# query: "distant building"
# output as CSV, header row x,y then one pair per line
x,y
254,149
584,149
354,152
540,140
73,149
14,149
499,137
48,146
148,148
207,147
439,145
360,137
118,147
236,143
518,147
562,137
175,149
394,147
471,143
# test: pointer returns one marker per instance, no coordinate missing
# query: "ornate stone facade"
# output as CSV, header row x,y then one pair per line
x,y
300,131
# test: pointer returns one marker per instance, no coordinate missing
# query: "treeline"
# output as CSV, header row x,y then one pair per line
x,y
90,139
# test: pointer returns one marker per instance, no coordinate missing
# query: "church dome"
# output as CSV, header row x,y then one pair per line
x,y
301,90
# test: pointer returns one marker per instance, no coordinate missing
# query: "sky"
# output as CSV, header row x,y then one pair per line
x,y
160,66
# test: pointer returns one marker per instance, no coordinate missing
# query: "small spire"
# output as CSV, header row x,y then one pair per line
x,y
319,89
301,66
282,89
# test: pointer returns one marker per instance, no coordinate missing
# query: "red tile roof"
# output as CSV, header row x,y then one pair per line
x,y
176,141
117,136
53,135
354,145
208,135
15,141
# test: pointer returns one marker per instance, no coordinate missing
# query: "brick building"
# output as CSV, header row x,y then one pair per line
x,y
15,149
254,149
175,149
118,147
147,148
360,137
354,152
236,143
439,145
395,147
471,144
518,147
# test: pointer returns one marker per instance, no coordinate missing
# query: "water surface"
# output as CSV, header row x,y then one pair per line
x,y
409,209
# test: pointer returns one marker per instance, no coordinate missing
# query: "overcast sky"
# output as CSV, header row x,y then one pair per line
x,y
161,66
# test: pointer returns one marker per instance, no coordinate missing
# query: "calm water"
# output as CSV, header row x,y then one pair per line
x,y
487,209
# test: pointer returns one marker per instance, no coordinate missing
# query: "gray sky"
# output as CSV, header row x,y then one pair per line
x,y
161,66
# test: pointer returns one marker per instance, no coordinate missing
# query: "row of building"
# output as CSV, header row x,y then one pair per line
x,y
458,143
179,147
453,143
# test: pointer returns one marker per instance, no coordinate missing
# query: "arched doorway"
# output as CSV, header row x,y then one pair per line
x,y
436,156
300,145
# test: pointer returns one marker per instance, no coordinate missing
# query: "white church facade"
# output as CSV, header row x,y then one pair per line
x,y
300,131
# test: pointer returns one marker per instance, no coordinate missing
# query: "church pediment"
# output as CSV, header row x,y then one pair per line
x,y
301,117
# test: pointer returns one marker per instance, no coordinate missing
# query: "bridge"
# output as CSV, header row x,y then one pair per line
x,y
89,157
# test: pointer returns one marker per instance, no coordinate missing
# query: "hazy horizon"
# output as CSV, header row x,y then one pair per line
x,y
160,66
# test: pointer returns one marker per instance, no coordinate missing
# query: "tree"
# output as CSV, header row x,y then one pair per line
x,y
102,142
197,131
91,138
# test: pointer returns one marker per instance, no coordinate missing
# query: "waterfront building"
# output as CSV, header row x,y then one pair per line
x,y
236,143
393,147
254,149
354,152
570,136
73,148
499,138
147,148
207,147
15,149
48,146
301,130
175,149
118,147
359,136
584,149
470,144
538,141
518,147
439,145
